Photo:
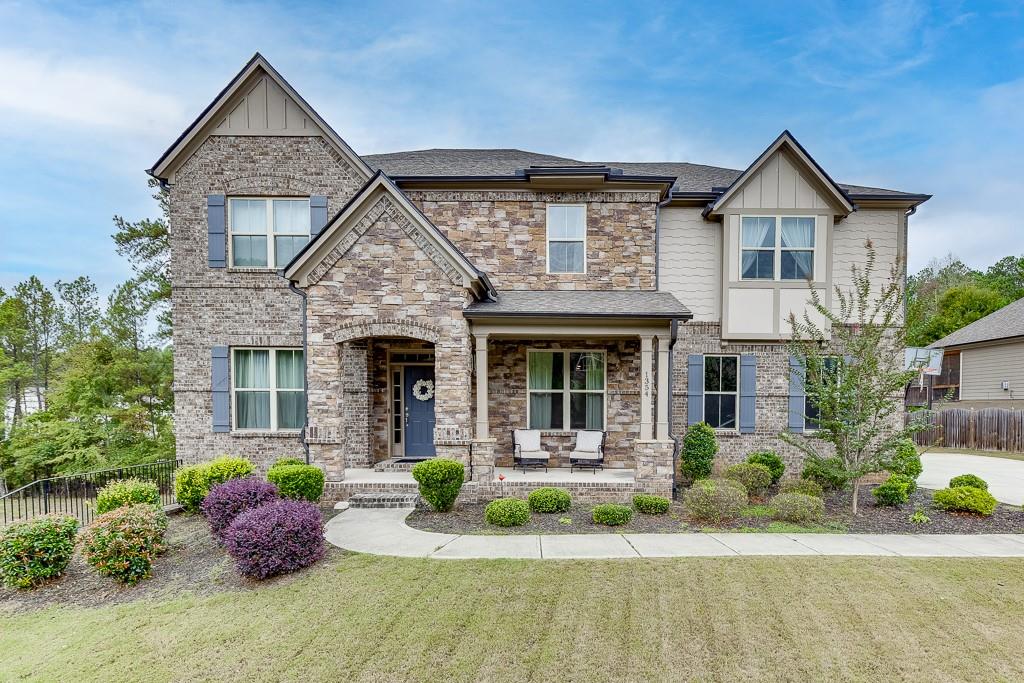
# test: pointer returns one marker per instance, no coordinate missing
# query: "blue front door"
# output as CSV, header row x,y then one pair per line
x,y
419,414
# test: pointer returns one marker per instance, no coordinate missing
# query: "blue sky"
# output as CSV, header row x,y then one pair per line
x,y
913,96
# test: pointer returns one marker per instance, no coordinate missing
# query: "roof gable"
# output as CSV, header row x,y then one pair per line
x,y
784,176
257,101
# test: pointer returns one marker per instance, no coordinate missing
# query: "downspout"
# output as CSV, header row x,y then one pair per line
x,y
671,379
305,370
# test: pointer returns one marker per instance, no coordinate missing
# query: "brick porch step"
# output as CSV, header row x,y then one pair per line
x,y
383,499
393,465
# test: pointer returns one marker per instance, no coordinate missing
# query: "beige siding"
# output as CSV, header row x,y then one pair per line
x,y
778,185
690,260
983,370
265,107
884,227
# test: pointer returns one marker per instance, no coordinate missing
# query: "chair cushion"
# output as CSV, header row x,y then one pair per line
x,y
528,439
534,455
588,440
586,455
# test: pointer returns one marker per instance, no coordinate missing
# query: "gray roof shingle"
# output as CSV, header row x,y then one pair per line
x,y
557,303
1005,323
506,162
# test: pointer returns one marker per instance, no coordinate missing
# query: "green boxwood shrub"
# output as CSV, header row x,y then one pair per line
x,y
124,492
549,499
798,508
280,462
969,480
32,553
699,449
299,482
507,512
440,481
895,490
651,505
123,542
192,483
755,478
906,460
804,486
828,472
965,499
612,514
769,459
714,500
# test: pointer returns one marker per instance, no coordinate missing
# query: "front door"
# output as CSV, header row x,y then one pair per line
x,y
419,411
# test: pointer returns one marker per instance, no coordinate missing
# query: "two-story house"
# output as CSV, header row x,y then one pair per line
x,y
401,306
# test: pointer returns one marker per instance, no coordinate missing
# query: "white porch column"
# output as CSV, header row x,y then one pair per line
x,y
663,381
646,386
482,419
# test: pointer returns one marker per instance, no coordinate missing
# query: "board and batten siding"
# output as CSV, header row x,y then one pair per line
x,y
984,369
690,255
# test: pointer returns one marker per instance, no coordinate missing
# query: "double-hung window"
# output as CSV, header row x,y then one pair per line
x,y
721,391
566,390
268,389
829,372
567,238
768,253
267,233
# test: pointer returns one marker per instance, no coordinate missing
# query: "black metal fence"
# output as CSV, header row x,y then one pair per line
x,y
75,494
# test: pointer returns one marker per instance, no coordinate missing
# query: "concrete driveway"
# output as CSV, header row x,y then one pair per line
x,y
1005,477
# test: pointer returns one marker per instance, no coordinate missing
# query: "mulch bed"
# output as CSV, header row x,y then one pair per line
x,y
193,563
469,519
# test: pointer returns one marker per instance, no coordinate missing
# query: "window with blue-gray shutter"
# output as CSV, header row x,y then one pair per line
x,y
694,389
317,215
748,393
797,395
221,389
215,233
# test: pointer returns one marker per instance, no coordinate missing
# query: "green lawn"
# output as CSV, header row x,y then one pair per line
x,y
369,618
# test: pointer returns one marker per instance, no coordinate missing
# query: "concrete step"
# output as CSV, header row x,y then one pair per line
x,y
383,499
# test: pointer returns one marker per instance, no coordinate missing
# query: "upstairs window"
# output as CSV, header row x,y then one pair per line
x,y
772,254
567,238
758,248
267,233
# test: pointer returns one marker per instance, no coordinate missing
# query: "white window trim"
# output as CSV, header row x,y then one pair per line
x,y
269,233
548,239
724,430
566,391
778,249
272,389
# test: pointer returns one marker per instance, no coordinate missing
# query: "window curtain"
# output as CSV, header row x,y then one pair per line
x,y
798,233
252,371
758,233
541,376
291,405
588,374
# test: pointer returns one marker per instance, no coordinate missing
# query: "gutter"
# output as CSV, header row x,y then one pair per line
x,y
305,369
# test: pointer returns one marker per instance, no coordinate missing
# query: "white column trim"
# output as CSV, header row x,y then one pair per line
x,y
646,386
663,381
482,417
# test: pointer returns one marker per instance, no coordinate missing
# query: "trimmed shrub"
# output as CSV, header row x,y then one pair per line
x,y
798,508
965,499
612,514
651,505
301,482
123,492
549,499
755,478
507,512
123,542
769,459
440,480
219,470
281,462
895,490
226,501
699,448
906,461
969,480
277,538
804,486
714,500
828,472
32,553
192,483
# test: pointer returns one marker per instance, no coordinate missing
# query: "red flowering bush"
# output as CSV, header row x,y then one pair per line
x,y
226,501
123,542
277,538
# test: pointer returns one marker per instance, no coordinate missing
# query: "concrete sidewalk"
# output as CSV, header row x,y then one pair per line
x,y
384,532
1005,477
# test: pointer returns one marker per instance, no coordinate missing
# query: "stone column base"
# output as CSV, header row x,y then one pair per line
x,y
654,466
483,461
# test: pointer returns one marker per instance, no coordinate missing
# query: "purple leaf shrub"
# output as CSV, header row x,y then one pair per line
x,y
278,538
226,501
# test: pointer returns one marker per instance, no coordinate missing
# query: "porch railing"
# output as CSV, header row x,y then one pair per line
x,y
75,494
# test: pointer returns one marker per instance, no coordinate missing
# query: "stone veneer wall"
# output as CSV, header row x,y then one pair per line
x,y
508,395
237,307
504,233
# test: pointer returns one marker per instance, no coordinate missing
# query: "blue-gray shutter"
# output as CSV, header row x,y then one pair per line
x,y
694,389
748,393
797,394
216,239
221,390
317,215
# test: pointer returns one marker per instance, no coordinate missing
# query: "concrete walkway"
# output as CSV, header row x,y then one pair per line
x,y
1005,477
384,532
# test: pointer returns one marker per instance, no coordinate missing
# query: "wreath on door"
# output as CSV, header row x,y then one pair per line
x,y
423,389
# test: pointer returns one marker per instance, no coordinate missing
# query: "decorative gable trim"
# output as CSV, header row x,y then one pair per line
x,y
786,141
257,101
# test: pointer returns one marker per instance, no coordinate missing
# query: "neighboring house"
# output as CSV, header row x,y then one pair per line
x,y
427,303
987,358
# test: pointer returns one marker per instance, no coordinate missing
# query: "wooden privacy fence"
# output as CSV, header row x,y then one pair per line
x,y
987,429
